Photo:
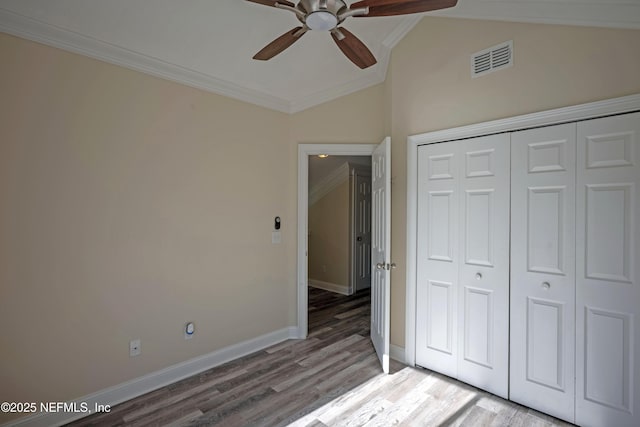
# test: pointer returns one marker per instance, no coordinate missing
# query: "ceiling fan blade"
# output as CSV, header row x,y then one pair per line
x,y
401,7
273,2
280,44
353,48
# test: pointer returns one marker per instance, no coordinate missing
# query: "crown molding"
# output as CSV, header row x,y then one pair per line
x,y
51,35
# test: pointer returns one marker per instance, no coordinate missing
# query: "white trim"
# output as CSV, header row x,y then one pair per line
x,y
139,386
544,118
397,353
329,183
51,35
327,286
412,240
304,151
31,29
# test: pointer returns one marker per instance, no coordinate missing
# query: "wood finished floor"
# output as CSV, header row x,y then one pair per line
x,y
332,378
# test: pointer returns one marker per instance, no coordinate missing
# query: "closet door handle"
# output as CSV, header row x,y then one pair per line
x,y
478,276
546,285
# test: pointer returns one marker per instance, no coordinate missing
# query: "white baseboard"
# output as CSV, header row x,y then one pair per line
x,y
327,286
397,353
139,386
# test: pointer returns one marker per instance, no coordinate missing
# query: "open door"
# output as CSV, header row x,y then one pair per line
x,y
381,250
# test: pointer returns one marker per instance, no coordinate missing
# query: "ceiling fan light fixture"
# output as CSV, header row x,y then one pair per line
x,y
321,20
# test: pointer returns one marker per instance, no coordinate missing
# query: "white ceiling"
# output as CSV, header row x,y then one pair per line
x,y
209,44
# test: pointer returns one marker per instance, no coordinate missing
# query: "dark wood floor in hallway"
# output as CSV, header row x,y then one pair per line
x,y
333,378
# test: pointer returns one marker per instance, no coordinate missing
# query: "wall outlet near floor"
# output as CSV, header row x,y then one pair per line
x,y
134,348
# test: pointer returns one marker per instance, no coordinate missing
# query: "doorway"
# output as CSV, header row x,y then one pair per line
x,y
305,152
381,236
339,223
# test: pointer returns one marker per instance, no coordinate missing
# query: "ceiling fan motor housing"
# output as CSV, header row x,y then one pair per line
x,y
321,14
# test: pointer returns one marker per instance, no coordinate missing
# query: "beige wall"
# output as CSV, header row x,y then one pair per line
x,y
431,89
130,205
329,237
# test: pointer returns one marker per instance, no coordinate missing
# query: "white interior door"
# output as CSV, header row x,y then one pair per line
x,y
483,267
543,269
608,260
361,268
381,250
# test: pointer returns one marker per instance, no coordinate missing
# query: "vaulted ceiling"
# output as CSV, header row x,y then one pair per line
x,y
209,44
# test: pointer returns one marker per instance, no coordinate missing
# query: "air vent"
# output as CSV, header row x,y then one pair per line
x,y
492,59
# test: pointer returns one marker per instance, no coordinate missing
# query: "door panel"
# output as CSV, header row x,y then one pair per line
x,y
437,251
478,326
542,297
608,290
441,206
478,227
545,335
483,304
608,343
608,231
440,332
381,250
545,229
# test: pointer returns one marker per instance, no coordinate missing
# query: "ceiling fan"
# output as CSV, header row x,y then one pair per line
x,y
327,15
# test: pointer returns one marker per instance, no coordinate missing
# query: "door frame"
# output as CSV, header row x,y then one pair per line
x,y
304,151
591,110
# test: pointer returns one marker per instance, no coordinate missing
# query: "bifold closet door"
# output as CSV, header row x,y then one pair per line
x,y
608,264
543,269
463,261
437,252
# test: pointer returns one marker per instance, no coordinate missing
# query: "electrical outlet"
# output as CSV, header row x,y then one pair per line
x,y
134,348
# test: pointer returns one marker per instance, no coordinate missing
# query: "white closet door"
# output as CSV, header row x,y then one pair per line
x,y
483,298
608,289
542,269
463,261
437,251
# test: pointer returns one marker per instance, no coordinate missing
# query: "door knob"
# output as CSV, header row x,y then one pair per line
x,y
392,265
478,276
546,285
380,266
359,238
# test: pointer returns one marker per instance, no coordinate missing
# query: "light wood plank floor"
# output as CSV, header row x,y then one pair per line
x,y
332,378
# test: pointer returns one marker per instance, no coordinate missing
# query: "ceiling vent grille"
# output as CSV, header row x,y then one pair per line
x,y
492,59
